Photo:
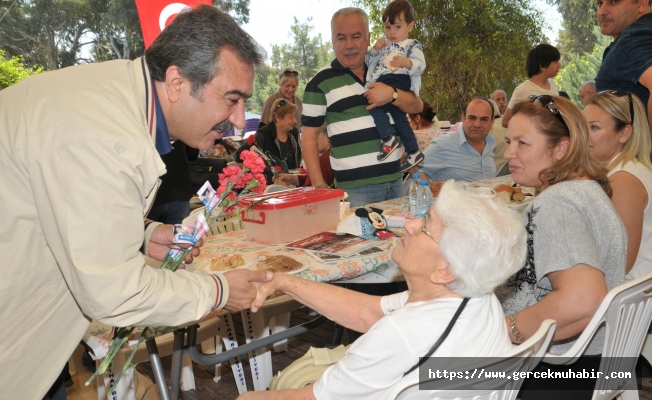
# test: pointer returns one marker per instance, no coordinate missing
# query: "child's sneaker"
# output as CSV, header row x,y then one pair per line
x,y
411,160
386,148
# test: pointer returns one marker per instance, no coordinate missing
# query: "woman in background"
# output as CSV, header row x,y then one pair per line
x,y
280,137
288,81
423,126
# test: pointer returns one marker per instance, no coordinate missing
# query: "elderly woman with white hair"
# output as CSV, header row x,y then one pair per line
x,y
288,82
452,259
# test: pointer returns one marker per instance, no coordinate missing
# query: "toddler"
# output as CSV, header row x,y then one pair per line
x,y
398,62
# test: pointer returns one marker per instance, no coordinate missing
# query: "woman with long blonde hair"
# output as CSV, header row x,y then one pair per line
x,y
619,138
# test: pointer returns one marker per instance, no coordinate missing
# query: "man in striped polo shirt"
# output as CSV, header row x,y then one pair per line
x,y
336,95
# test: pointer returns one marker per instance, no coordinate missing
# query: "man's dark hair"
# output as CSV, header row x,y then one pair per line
x,y
484,99
395,8
193,42
539,57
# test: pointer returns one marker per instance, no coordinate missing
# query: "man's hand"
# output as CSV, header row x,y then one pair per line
x,y
382,42
264,291
242,287
287,180
161,242
378,94
401,62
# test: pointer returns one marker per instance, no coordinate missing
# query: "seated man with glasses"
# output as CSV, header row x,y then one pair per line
x,y
443,277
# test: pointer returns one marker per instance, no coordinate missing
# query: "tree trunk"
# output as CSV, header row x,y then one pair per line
x,y
53,51
126,44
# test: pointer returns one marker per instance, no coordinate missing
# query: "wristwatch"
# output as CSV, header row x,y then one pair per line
x,y
394,96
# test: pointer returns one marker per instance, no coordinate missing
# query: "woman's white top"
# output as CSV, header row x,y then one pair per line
x,y
643,263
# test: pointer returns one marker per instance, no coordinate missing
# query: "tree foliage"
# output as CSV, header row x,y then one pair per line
x,y
472,47
579,20
582,67
13,70
60,33
303,53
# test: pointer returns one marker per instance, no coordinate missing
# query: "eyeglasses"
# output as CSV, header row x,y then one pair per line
x,y
291,73
548,102
281,104
623,93
422,228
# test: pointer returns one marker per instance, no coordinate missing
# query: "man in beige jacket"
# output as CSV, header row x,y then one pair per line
x,y
79,167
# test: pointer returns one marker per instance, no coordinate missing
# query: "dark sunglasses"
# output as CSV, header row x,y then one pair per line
x,y
291,73
281,104
623,93
548,102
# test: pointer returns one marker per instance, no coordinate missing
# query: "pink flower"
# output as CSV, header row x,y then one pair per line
x,y
228,174
252,161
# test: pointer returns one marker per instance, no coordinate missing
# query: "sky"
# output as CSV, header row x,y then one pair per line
x,y
270,20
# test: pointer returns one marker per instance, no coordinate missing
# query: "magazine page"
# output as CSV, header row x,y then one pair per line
x,y
332,243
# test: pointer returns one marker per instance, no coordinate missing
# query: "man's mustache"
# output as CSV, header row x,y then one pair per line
x,y
223,127
351,52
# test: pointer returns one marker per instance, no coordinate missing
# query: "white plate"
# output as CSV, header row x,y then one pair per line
x,y
520,205
295,171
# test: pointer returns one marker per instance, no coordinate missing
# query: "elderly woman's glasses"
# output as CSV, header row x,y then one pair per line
x,y
623,93
291,73
281,104
422,228
548,102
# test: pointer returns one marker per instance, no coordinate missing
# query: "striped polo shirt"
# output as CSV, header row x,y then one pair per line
x,y
336,95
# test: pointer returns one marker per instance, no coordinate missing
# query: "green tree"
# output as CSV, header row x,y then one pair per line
x,y
304,53
52,33
472,47
45,32
579,18
265,85
13,70
582,67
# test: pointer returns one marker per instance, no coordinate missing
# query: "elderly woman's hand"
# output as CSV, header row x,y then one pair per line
x,y
264,291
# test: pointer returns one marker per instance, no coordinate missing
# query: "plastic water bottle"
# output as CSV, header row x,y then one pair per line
x,y
424,198
412,193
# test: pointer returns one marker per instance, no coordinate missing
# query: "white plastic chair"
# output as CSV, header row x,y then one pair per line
x,y
528,353
627,312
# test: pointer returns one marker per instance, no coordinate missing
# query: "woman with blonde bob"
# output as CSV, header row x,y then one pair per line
x,y
619,138
576,242
280,137
466,245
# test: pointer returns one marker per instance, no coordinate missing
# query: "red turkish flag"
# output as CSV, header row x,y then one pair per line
x,y
155,15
